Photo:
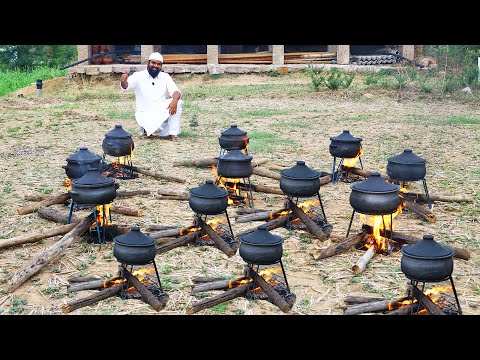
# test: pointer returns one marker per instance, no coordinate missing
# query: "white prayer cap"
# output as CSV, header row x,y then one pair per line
x,y
156,56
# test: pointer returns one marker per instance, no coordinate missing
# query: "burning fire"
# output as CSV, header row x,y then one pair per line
x,y
140,274
379,224
68,184
350,163
266,274
435,295
234,192
103,215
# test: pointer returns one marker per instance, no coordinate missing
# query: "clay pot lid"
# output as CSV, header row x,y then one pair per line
x,y
118,133
407,158
345,136
262,237
93,177
134,238
235,155
209,190
83,155
375,184
427,248
233,130
300,171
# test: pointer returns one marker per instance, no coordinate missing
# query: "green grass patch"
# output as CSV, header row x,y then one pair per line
x,y
460,120
261,113
264,142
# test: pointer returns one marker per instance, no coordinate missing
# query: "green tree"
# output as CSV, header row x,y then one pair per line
x,y
28,57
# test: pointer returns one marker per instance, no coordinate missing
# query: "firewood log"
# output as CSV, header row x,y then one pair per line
x,y
361,264
155,174
51,253
272,294
216,285
219,242
424,213
376,306
181,241
142,289
52,214
36,236
92,299
59,199
218,299
341,246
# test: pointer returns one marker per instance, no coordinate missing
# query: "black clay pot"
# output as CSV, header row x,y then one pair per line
x,y
345,145
118,142
79,162
375,196
427,261
261,247
233,137
93,189
300,180
406,167
235,165
134,247
208,199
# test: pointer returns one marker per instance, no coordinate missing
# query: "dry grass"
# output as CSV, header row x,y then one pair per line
x,y
38,134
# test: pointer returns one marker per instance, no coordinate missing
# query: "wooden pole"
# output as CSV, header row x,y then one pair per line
x,y
124,193
376,306
92,299
273,295
361,264
218,299
307,220
264,215
257,188
155,174
181,241
125,211
60,199
272,224
341,246
424,214
51,253
52,214
167,191
426,302
265,173
216,285
172,232
92,284
36,236
143,290
221,244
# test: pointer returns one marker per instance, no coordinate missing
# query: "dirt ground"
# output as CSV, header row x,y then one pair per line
x,y
39,133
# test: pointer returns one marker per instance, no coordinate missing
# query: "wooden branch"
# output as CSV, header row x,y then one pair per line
x,y
247,210
160,227
92,284
270,225
51,253
124,193
143,290
38,197
460,253
257,188
273,295
167,191
155,174
341,246
205,279
376,306
353,299
36,236
173,197
424,213
405,310
181,241
361,264
308,221
53,214
327,179
219,242
264,215
125,211
359,171
172,232
440,197
78,279
208,162
266,173
59,199
92,299
216,285
218,299
426,302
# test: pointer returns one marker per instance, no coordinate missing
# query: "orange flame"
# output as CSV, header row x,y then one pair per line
x,y
351,162
68,184
103,215
232,189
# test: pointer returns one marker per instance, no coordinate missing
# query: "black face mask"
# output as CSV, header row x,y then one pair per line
x,y
153,72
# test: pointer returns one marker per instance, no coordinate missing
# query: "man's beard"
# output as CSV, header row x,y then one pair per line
x,y
153,72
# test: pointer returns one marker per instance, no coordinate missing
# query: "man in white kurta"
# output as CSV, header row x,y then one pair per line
x,y
154,113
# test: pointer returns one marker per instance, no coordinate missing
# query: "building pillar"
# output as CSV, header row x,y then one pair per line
x,y
212,54
278,54
145,51
343,54
83,52
407,51
332,48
